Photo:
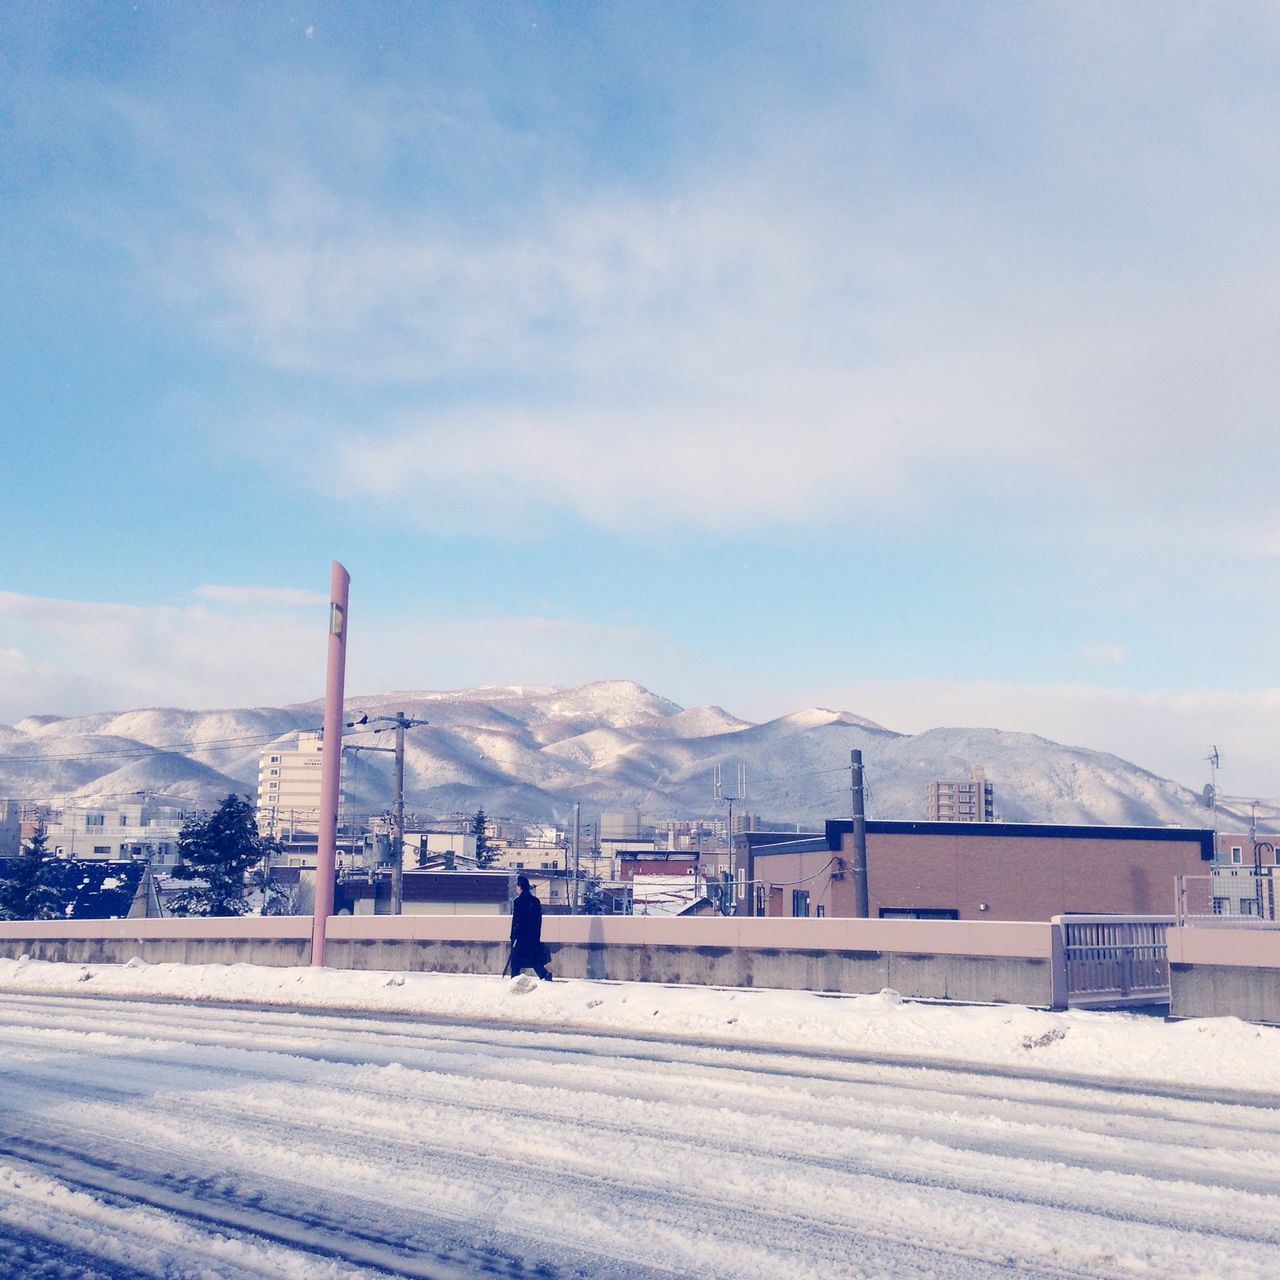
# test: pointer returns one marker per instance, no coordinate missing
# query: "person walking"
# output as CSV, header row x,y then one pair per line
x,y
527,951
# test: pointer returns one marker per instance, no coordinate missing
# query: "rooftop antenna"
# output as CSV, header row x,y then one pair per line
x,y
1211,791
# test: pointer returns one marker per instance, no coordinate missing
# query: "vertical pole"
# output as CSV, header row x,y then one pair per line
x,y
731,887
577,832
331,757
397,837
859,868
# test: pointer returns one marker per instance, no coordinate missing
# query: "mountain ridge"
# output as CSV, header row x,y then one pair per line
x,y
530,751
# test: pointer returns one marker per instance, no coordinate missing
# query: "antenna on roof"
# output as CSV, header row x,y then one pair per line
x,y
1211,791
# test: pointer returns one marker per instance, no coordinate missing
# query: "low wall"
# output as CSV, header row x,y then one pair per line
x,y
1225,972
948,960
272,940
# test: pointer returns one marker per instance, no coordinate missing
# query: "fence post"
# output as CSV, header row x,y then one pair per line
x,y
1059,991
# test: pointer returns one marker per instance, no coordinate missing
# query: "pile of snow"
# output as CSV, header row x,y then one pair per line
x,y
1210,1053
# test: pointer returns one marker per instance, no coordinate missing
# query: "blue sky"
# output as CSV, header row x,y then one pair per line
x,y
917,360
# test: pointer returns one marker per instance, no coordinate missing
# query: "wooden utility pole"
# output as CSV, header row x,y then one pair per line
x,y
858,805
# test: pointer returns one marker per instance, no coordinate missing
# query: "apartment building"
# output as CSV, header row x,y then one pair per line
x,y
146,829
970,799
289,788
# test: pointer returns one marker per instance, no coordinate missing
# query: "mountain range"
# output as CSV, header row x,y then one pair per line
x,y
530,751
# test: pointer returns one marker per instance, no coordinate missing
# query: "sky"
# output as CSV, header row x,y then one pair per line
x,y
906,359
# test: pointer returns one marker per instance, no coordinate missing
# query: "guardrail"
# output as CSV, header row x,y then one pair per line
x,y
1113,961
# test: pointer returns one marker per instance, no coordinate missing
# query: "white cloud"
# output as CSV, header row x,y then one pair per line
x,y
108,656
269,597
749,360
838,315
1101,653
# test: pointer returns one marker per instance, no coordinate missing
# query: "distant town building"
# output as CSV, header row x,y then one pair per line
x,y
289,788
431,893
968,800
980,871
621,824
425,848
146,830
11,813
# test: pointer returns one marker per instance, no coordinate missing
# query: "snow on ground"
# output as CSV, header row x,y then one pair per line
x,y
151,1126
1213,1053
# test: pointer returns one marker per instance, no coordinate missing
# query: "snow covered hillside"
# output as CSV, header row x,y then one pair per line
x,y
531,751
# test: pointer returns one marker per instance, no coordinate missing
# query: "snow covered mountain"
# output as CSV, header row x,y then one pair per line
x,y
530,751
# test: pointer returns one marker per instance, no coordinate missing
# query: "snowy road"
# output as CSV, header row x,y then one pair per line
x,y
154,1139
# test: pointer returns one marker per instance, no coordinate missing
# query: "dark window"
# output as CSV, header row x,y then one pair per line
x,y
918,913
799,902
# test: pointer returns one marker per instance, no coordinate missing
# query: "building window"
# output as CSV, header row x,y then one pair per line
x,y
273,773
799,902
820,910
274,759
124,819
94,820
273,786
1222,906
918,913
1236,853
101,849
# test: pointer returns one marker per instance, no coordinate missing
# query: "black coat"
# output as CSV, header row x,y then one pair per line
x,y
527,951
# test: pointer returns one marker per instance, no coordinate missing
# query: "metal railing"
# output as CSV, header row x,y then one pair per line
x,y
1110,961
1239,894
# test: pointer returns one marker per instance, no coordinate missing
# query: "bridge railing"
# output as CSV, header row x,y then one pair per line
x,y
1112,961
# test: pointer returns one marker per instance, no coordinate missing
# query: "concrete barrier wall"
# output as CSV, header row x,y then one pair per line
x,y
982,961
273,940
1221,972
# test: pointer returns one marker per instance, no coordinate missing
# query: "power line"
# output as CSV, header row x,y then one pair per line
x,y
142,749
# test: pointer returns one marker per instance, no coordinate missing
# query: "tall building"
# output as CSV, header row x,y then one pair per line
x,y
289,788
969,800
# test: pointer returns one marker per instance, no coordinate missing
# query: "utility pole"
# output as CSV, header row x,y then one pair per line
x,y
730,906
331,766
857,800
577,815
400,722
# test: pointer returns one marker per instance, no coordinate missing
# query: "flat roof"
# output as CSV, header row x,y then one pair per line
x,y
836,827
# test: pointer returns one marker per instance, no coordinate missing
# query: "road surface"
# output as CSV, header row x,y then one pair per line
x,y
144,1138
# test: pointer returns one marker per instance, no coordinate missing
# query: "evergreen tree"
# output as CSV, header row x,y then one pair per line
x,y
592,899
485,853
31,890
218,853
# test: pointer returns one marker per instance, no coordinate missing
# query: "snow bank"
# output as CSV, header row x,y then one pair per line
x,y
1213,1053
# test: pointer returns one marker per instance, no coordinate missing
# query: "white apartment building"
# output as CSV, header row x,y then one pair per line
x,y
146,829
289,788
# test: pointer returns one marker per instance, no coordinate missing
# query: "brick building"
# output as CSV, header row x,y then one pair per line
x,y
978,871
